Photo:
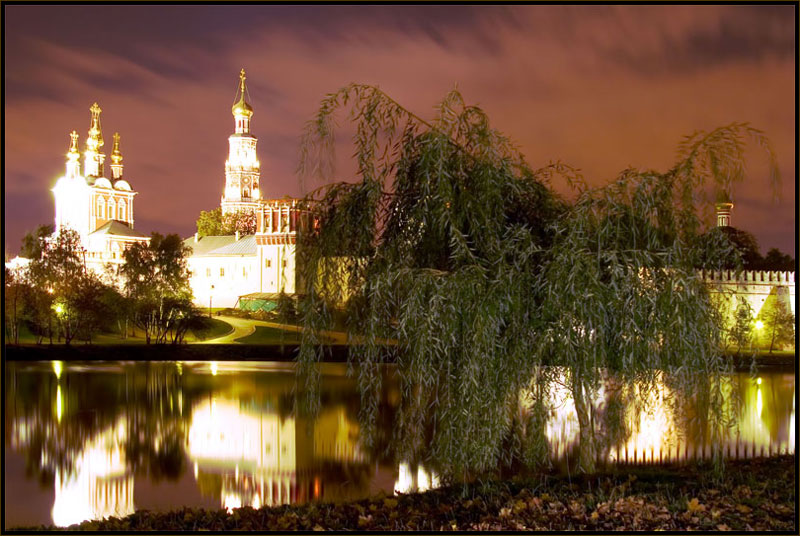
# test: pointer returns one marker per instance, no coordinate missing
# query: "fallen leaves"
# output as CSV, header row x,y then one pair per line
x,y
673,501
695,506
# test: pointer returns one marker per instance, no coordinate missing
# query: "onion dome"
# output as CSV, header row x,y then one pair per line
x,y
241,107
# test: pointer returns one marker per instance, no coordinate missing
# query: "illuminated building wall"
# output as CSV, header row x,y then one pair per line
x,y
755,287
222,268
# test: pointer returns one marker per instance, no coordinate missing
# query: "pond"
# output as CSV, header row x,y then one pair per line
x,y
87,440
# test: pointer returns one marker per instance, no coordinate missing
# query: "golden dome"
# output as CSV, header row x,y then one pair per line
x,y
241,107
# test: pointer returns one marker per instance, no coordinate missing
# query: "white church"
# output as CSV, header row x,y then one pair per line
x,y
260,266
98,208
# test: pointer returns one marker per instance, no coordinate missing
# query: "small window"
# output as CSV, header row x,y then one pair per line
x,y
208,272
268,263
222,272
284,263
244,272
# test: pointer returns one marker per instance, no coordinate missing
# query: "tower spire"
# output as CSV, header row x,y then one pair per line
x,y
93,164
73,156
95,131
241,110
116,158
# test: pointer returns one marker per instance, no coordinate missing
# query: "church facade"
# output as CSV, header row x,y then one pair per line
x,y
225,268
99,208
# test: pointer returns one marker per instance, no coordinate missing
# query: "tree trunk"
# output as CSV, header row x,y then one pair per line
x,y
774,329
586,447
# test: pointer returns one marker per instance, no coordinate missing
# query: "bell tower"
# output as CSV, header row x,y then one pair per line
x,y
724,207
242,169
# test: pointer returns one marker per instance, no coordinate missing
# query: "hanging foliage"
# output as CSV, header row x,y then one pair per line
x,y
453,258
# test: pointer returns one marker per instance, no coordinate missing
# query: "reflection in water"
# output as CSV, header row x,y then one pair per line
x,y
410,481
765,423
228,431
99,485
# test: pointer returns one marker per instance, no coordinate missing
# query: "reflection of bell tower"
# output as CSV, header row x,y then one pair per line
x,y
242,169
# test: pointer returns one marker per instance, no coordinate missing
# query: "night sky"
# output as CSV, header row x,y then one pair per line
x,y
601,88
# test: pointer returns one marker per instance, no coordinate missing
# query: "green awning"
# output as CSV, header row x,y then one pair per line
x,y
258,301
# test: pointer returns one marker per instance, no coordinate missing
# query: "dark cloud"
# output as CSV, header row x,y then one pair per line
x,y
17,211
600,87
739,34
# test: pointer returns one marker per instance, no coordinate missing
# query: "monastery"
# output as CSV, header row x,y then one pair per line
x,y
236,270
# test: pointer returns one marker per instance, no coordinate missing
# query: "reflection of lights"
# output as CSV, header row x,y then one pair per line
x,y
98,486
180,367
758,381
654,425
57,368
195,470
316,487
232,501
791,425
221,430
213,368
759,400
404,480
58,404
408,481
423,481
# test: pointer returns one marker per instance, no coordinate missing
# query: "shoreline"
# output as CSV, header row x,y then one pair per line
x,y
756,494
255,352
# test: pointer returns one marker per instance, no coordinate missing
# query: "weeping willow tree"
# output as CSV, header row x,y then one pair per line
x,y
453,258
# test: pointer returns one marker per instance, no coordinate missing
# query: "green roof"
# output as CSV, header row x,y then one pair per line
x,y
221,245
117,228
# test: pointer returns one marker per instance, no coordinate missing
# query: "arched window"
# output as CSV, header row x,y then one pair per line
x,y
101,204
111,209
246,193
121,209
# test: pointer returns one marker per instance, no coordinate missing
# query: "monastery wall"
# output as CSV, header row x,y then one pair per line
x,y
761,290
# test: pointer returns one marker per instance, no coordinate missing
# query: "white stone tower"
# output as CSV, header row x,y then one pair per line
x,y
724,207
242,169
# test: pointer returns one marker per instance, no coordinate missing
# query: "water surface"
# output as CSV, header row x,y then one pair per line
x,y
92,440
